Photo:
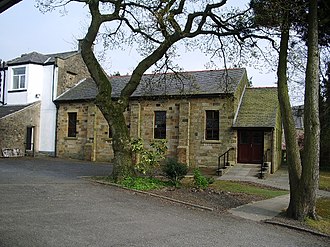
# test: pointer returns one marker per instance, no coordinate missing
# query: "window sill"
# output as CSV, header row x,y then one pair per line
x,y
70,138
211,142
17,90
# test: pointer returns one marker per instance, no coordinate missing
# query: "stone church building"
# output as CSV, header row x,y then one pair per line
x,y
47,107
201,114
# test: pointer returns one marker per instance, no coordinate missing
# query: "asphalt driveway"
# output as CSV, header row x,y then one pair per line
x,y
43,202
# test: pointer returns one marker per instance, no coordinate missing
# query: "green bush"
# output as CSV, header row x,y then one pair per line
x,y
174,170
200,181
149,159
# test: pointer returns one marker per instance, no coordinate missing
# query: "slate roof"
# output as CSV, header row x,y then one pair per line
x,y
185,83
5,110
38,58
258,108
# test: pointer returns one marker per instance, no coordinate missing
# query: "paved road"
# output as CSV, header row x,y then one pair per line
x,y
44,203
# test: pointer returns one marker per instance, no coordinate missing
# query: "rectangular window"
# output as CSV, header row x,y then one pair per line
x,y
212,125
110,132
160,125
72,124
19,78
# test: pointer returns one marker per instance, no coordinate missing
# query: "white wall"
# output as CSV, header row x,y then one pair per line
x,y
48,112
34,77
39,82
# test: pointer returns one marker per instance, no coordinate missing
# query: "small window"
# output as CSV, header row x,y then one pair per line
x,y
110,133
19,78
160,125
72,124
212,125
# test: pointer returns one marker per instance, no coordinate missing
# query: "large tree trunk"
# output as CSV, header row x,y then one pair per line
x,y
112,110
292,149
303,178
310,172
113,113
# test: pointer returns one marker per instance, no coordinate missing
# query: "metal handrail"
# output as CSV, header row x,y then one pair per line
x,y
225,156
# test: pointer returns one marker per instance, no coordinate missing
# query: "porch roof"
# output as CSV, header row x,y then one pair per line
x,y
180,84
6,110
38,58
258,108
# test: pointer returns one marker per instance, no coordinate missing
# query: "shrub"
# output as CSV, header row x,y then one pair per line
x,y
200,181
149,158
174,170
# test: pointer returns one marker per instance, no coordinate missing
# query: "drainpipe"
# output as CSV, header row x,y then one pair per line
x,y
57,107
272,168
2,67
53,86
94,134
56,122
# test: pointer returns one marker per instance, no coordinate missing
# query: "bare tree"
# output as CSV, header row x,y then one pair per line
x,y
158,25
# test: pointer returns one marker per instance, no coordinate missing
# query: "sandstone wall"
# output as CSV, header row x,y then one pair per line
x,y
70,71
13,128
185,129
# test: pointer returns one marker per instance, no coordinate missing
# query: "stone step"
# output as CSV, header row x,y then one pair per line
x,y
242,170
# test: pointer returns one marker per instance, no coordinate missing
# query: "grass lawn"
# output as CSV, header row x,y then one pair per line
x,y
323,211
247,188
324,180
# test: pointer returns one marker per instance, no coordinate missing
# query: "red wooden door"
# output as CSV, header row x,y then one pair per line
x,y
250,146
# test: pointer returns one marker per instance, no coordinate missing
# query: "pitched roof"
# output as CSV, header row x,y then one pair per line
x,y
84,90
38,58
185,83
6,110
258,108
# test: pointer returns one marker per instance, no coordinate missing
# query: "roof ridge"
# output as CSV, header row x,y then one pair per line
x,y
61,53
180,72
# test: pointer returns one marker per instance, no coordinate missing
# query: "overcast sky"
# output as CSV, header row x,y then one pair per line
x,y
25,29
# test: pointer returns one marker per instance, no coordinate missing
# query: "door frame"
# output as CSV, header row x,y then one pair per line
x,y
30,140
250,147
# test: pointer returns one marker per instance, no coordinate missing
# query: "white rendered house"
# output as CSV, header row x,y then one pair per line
x,y
29,85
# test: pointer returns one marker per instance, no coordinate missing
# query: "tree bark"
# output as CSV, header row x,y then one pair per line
x,y
112,110
292,149
310,166
304,176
